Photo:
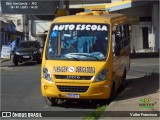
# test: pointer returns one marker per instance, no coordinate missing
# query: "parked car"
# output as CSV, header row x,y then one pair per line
x,y
27,51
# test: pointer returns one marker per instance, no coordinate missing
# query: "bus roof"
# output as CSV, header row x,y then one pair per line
x,y
92,17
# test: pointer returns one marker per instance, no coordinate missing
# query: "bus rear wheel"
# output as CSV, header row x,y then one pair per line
x,y
123,80
50,101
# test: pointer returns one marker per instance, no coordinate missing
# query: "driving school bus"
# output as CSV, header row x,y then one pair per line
x,y
86,56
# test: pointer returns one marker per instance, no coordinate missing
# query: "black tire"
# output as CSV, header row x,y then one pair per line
x,y
50,101
39,61
15,61
113,93
123,80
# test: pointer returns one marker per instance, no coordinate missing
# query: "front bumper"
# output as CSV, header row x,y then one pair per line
x,y
99,90
22,58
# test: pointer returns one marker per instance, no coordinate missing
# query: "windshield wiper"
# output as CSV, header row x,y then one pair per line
x,y
61,56
74,58
68,57
89,56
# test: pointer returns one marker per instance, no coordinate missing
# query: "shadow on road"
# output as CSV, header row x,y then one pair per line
x,y
82,104
137,87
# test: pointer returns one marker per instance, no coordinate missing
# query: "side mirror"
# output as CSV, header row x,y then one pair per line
x,y
117,50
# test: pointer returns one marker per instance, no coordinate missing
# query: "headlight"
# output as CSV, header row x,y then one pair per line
x,y
17,53
35,52
46,74
101,76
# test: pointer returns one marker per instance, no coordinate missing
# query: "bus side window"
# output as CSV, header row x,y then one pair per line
x,y
113,41
123,30
116,39
126,33
127,30
118,34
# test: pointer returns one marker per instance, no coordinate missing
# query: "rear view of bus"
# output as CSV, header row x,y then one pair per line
x,y
78,59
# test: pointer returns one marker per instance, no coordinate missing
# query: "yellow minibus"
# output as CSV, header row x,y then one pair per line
x,y
86,56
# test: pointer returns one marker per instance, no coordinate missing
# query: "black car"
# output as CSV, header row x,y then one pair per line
x,y
27,51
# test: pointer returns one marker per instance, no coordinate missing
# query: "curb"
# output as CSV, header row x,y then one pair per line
x,y
145,55
108,108
5,60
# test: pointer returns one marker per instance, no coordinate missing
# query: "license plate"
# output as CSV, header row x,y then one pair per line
x,y
25,56
73,95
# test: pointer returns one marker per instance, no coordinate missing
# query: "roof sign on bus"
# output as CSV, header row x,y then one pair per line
x,y
88,27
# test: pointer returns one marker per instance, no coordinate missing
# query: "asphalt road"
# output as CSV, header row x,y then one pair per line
x,y
141,67
20,87
20,91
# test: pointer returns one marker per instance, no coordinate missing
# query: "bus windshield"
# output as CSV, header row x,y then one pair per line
x,y
78,42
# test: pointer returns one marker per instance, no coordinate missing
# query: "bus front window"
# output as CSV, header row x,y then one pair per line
x,y
77,44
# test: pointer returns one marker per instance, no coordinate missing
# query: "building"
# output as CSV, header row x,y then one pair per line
x,y
10,28
7,32
145,31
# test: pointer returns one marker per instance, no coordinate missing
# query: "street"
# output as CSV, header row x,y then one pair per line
x,y
20,91
20,86
66,33
141,95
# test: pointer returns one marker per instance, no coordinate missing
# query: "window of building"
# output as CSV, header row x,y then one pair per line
x,y
123,32
19,22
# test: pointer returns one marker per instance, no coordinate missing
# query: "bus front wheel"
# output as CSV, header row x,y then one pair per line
x,y
113,93
50,101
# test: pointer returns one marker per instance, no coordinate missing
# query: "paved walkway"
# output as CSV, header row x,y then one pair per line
x,y
144,87
3,60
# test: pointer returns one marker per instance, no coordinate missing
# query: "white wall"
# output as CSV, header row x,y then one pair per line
x,y
39,26
146,10
19,27
139,11
116,0
137,37
155,26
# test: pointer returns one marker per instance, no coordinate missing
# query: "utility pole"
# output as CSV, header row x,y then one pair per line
x,y
67,6
61,6
25,24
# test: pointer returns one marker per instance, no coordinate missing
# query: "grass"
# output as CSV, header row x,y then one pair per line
x,y
96,114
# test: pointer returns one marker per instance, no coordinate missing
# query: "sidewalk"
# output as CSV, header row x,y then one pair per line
x,y
131,99
145,55
3,60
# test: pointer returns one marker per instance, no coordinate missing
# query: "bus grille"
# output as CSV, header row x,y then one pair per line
x,y
73,88
73,77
